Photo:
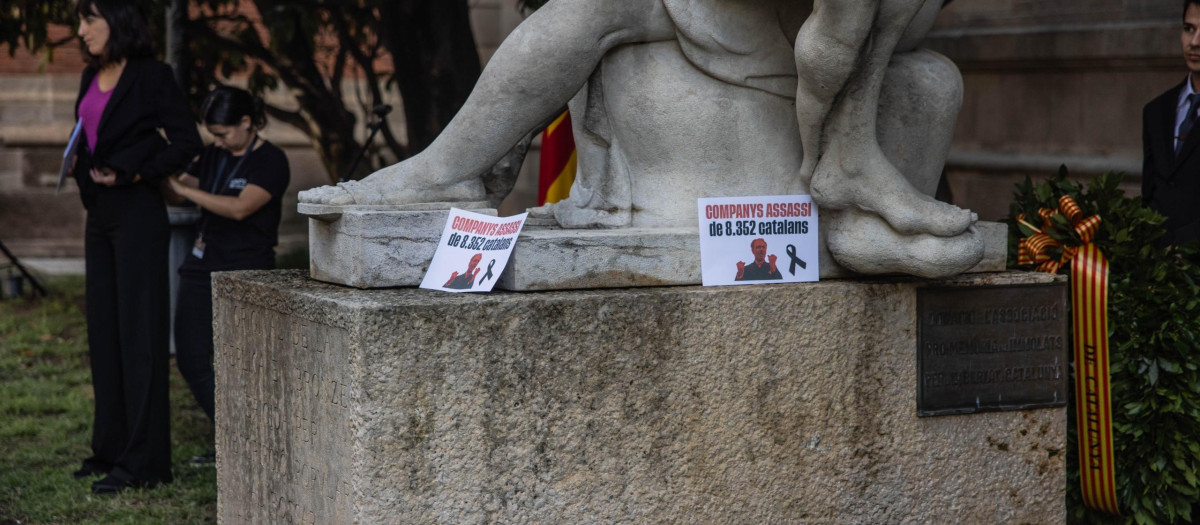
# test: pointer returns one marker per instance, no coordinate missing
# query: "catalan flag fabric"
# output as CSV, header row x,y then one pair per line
x,y
558,161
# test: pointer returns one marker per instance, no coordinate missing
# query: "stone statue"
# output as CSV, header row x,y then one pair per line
x,y
679,99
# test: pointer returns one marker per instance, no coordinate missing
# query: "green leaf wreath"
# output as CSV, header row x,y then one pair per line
x,y
1154,345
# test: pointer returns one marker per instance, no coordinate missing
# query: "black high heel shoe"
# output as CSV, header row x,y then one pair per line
x,y
88,471
112,484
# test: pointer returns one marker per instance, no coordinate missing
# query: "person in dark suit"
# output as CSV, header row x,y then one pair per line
x,y
125,98
1171,143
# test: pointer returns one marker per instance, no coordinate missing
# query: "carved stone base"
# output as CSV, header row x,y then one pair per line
x,y
375,246
381,247
788,403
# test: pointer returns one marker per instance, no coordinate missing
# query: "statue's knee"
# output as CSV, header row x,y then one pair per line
x,y
929,75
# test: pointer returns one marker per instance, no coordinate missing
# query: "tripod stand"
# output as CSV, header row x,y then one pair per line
x,y
17,264
380,112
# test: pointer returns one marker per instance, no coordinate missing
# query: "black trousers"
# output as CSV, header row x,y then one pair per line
x,y
194,325
194,336
126,242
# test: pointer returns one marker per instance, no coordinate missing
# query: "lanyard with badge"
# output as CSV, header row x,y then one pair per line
x,y
219,180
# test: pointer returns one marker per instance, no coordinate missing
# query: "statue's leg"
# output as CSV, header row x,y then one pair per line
x,y
827,53
918,108
918,111
852,170
533,74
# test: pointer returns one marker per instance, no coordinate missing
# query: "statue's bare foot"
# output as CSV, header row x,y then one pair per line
x,y
864,243
402,183
861,177
571,217
577,218
583,209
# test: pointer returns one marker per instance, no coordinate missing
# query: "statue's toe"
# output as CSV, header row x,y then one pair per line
x,y
331,195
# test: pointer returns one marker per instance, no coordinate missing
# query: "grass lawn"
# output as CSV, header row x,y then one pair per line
x,y
45,425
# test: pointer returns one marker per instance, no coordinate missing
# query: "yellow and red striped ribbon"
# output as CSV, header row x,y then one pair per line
x,y
1089,301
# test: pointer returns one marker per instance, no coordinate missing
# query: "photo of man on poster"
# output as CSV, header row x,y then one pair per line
x,y
762,268
465,280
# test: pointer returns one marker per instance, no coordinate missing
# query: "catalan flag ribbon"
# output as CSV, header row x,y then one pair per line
x,y
558,161
1089,302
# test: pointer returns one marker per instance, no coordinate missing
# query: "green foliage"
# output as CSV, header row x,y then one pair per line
x,y
1153,328
45,424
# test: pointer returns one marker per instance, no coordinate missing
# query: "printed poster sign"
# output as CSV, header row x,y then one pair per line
x,y
473,251
757,240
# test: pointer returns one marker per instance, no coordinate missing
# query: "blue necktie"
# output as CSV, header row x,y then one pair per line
x,y
1189,121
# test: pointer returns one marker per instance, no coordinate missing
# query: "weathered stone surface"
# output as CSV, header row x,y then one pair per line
x,y
374,247
371,248
749,404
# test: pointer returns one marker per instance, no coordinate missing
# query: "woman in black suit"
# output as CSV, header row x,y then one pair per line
x,y
125,98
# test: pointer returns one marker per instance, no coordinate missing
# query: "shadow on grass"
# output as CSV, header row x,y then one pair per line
x,y
45,425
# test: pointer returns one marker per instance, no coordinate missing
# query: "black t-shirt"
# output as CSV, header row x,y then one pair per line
x,y
247,244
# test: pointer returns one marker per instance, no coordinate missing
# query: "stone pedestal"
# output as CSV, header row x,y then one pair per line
x,y
392,245
749,404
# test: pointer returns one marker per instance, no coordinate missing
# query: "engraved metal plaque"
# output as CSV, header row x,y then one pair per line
x,y
991,348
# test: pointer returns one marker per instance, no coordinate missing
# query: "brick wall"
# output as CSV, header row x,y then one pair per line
x,y
1050,83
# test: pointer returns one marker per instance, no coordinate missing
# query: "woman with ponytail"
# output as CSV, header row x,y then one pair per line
x,y
238,182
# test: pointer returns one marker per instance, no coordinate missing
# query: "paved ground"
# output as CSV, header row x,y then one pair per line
x,y
54,266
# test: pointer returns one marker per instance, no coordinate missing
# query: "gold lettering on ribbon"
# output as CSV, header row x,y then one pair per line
x,y
1089,294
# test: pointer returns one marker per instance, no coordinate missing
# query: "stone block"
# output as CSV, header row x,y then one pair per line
x,y
384,246
787,403
376,247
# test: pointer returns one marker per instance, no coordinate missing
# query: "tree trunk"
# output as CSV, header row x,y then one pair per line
x,y
431,44
330,124
176,48
436,63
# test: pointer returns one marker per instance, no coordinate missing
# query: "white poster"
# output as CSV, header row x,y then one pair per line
x,y
473,251
757,240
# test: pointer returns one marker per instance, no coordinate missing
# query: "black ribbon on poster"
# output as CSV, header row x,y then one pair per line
x,y
791,251
487,275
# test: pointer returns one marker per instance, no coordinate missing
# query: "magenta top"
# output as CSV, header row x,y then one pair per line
x,y
91,108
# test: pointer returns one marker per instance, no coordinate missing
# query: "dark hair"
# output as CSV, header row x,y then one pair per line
x,y
226,106
1186,3
128,36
